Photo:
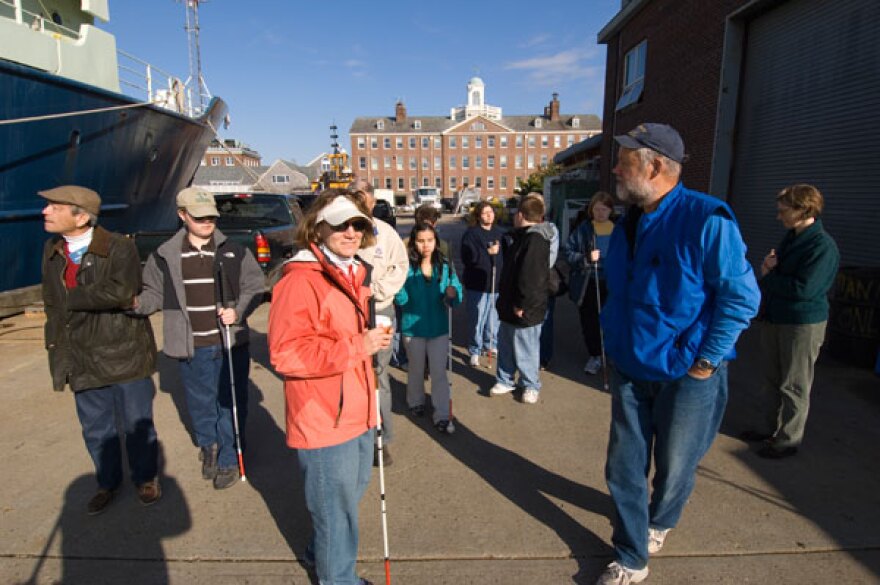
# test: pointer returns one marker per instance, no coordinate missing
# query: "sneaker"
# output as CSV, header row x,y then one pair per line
x,y
418,410
530,396
593,365
226,477
498,389
149,492
617,574
100,501
445,426
208,457
656,538
475,361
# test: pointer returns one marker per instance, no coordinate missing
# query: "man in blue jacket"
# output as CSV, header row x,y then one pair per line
x,y
680,292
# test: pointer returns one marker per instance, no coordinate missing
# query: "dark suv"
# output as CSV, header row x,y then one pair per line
x,y
385,212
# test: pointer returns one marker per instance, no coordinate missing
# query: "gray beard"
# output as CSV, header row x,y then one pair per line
x,y
639,192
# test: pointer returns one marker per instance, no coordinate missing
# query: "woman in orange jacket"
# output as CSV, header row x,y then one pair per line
x,y
320,341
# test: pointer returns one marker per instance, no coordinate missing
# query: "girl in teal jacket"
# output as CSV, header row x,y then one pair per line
x,y
429,293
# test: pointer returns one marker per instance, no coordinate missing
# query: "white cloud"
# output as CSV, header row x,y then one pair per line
x,y
552,70
534,41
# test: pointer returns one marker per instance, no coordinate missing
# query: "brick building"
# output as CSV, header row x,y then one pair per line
x,y
475,146
225,154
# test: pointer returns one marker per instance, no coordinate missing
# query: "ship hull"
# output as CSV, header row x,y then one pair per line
x,y
137,159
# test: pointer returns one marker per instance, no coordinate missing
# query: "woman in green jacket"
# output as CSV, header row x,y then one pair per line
x,y
795,280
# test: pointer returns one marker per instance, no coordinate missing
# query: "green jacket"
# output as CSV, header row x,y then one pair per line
x,y
91,340
796,291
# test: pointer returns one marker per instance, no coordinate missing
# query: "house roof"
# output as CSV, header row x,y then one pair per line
x,y
439,124
620,20
205,174
582,146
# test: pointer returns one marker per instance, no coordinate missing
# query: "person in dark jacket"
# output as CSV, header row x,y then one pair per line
x,y
106,357
522,300
203,283
795,282
480,255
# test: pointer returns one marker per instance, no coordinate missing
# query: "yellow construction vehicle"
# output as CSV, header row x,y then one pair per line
x,y
339,174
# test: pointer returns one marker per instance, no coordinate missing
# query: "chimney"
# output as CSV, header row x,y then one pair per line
x,y
554,107
400,112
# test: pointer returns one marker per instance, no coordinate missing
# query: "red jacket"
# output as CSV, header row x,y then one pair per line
x,y
316,321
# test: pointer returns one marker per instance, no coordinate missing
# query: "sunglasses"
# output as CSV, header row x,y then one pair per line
x,y
359,225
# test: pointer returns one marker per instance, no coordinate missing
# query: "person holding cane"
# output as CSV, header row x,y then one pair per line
x,y
321,342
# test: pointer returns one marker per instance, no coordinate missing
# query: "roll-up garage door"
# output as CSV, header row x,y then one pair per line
x,y
809,112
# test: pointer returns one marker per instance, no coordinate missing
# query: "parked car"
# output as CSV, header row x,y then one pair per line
x,y
384,211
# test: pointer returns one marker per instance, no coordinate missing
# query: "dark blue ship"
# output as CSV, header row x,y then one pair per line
x,y
63,120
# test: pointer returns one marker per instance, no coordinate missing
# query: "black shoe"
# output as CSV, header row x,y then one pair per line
x,y
754,436
445,426
100,501
226,477
386,456
208,457
768,451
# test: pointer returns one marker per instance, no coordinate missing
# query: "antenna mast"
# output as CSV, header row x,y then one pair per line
x,y
195,53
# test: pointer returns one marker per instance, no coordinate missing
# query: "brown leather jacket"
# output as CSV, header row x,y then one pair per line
x,y
91,340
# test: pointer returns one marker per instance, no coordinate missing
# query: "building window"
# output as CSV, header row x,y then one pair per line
x,y
504,181
387,182
452,162
387,162
425,163
633,76
453,143
478,142
375,182
465,162
215,161
380,124
412,142
490,161
374,163
413,163
518,162
437,142
504,142
519,140
503,161
544,142
570,140
426,142
538,123
478,126
490,142
478,163
465,141
438,163
399,162
531,163
543,160
362,143
229,161
557,141
575,122
453,183
478,182
399,142
386,142
425,182
417,124
531,142
374,142
412,183
400,184
362,163
438,182
465,181
490,182
280,178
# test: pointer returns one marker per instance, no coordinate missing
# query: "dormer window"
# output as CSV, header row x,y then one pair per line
x,y
417,124
380,124
575,122
538,122
478,126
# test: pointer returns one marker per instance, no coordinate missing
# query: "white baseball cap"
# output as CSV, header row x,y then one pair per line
x,y
339,211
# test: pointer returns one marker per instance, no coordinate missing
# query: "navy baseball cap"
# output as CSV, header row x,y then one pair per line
x,y
660,138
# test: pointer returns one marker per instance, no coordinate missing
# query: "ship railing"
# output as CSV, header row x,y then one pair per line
x,y
144,80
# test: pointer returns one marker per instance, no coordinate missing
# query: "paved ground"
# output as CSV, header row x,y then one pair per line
x,y
517,495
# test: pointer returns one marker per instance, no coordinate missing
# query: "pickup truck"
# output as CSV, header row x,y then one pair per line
x,y
265,223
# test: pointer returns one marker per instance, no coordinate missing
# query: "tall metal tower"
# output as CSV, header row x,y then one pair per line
x,y
196,81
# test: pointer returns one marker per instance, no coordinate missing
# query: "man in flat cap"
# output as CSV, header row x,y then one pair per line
x,y
203,282
106,356
680,292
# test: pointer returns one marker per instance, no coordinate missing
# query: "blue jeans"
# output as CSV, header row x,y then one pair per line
x,y
519,349
677,421
132,404
482,320
547,332
209,408
334,481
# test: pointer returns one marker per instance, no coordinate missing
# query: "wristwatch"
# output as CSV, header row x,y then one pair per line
x,y
704,364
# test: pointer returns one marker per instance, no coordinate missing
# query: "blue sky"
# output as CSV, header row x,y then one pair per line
x,y
290,69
